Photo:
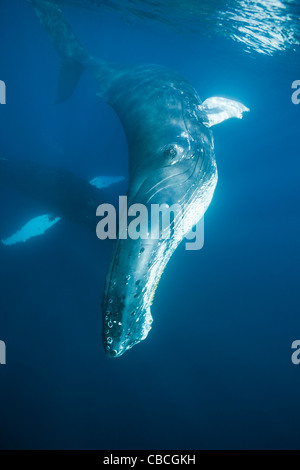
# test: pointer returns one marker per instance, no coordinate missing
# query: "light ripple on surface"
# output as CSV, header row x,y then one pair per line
x,y
260,26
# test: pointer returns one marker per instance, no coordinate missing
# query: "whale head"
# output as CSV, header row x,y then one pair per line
x,y
172,163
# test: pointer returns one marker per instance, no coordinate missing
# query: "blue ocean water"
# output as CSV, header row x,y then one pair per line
x,y
215,371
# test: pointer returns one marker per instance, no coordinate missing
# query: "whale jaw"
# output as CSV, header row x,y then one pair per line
x,y
130,287
137,266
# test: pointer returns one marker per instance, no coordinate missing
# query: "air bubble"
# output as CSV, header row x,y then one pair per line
x,y
110,324
110,301
109,340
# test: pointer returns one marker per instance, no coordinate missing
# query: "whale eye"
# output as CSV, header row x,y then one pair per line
x,y
170,151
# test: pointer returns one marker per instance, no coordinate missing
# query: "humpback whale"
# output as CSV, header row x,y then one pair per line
x,y
171,160
62,193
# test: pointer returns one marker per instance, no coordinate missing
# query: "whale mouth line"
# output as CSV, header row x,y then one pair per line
x,y
156,188
141,330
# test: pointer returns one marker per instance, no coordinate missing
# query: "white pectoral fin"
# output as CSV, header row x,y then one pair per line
x,y
105,181
217,109
33,228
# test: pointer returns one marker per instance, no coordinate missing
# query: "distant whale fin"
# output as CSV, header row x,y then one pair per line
x,y
216,110
74,57
102,182
69,76
39,225
60,33
33,228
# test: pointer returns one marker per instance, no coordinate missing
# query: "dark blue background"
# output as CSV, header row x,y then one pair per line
x,y
216,370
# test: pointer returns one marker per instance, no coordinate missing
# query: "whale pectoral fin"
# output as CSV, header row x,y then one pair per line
x,y
216,110
102,182
69,76
33,228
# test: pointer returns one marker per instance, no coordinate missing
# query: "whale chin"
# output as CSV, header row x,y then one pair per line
x,y
120,336
131,283
116,350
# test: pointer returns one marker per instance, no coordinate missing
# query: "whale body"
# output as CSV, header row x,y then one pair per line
x,y
171,160
63,194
